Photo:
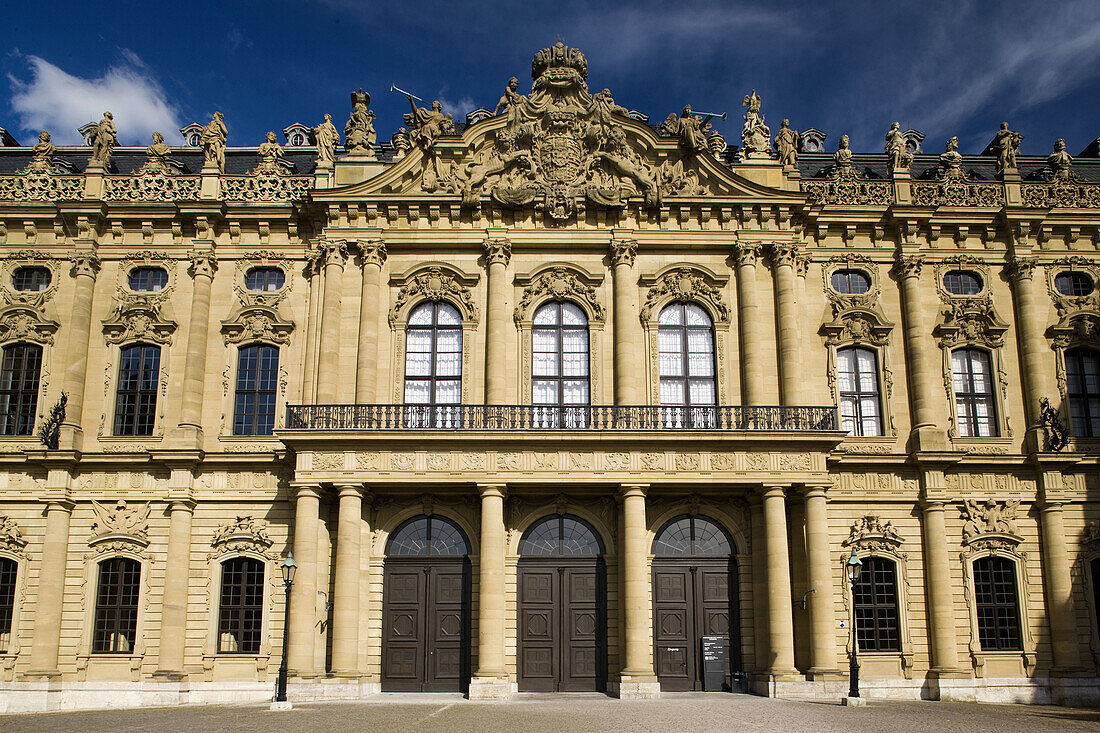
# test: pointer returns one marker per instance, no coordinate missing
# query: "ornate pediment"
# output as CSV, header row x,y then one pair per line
x,y
23,323
685,284
120,523
257,323
858,325
970,320
990,524
11,539
244,533
869,532
559,283
138,318
434,283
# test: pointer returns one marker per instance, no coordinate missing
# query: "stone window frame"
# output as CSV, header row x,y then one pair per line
x,y
240,547
1090,551
229,387
13,547
105,548
577,287
1004,546
686,283
147,258
431,281
1078,326
262,258
106,432
1000,421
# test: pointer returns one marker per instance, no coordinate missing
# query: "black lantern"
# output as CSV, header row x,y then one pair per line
x,y
853,567
288,568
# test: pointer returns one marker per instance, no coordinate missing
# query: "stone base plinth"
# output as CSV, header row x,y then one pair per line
x,y
490,688
285,705
631,689
356,169
853,702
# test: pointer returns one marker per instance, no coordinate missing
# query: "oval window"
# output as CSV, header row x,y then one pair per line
x,y
148,279
264,279
1073,283
850,282
962,282
31,279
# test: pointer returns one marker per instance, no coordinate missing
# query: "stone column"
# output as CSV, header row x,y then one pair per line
x,y
941,606
491,680
752,367
309,368
373,256
51,589
85,268
1033,347
637,679
303,597
821,601
203,267
345,602
629,388
786,310
328,363
924,373
177,573
759,586
780,613
497,254
1056,578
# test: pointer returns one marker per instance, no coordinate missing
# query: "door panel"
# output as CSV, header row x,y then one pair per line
x,y
692,599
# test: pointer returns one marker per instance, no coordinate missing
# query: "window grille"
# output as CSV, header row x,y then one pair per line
x,y
241,608
876,605
20,367
116,606
136,396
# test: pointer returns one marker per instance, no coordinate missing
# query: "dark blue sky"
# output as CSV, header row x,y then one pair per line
x,y
946,68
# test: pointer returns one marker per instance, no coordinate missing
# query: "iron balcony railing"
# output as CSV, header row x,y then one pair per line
x,y
555,417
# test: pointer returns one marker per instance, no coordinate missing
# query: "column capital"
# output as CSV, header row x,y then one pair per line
x,y
203,262
769,492
181,503
65,504
85,263
372,252
498,250
906,266
812,492
785,254
1020,268
350,489
334,252
623,252
306,488
491,490
633,490
746,253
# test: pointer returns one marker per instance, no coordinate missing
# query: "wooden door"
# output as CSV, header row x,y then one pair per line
x,y
692,599
426,625
562,625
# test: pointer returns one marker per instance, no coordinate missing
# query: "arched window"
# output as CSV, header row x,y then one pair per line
x,y
257,384
148,279
975,412
116,606
241,606
561,535
136,396
19,372
685,340
559,368
692,536
426,535
996,604
1083,388
876,604
857,384
8,572
433,365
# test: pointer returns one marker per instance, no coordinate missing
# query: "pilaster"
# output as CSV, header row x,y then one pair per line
x,y
372,254
345,607
498,252
491,681
637,680
303,597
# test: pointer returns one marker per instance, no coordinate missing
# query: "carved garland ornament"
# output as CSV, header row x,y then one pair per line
x,y
242,534
11,540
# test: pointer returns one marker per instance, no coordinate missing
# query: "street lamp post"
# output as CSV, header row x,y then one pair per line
x,y
854,567
288,566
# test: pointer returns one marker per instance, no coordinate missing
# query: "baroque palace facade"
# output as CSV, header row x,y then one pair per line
x,y
541,400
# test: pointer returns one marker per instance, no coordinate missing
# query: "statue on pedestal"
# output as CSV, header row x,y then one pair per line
x,y
104,140
359,134
951,160
427,126
214,137
898,156
755,135
270,152
786,144
1006,142
43,151
156,156
1059,162
327,138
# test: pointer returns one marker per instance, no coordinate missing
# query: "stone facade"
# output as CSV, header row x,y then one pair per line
x,y
561,197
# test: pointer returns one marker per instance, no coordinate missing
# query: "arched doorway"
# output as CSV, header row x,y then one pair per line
x,y
694,595
562,608
426,608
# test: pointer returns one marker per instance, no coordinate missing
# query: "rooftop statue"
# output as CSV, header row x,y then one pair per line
x,y
359,135
689,128
43,151
156,156
327,138
511,102
755,135
842,159
1006,142
1059,162
270,153
951,160
786,144
427,126
104,140
214,137
898,157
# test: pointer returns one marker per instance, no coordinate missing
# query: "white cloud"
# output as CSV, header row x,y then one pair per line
x,y
459,108
57,101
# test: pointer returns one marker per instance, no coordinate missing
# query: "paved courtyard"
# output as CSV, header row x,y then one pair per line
x,y
566,713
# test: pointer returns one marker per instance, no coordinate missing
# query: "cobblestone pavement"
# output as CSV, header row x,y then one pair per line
x,y
566,713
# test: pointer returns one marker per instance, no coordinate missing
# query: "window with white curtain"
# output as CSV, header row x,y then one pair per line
x,y
559,366
857,382
433,365
685,344
972,376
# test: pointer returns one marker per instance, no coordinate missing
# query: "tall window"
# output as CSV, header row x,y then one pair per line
x,y
857,377
433,365
116,606
241,609
19,388
559,368
973,380
257,382
997,605
136,398
876,604
1083,377
685,341
8,571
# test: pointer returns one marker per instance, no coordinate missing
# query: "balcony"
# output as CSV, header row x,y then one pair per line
x,y
578,419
